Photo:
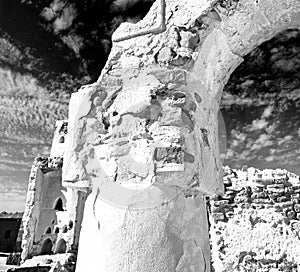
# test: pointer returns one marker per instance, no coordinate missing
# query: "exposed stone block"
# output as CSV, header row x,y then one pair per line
x,y
276,190
174,76
218,216
262,195
221,202
282,199
169,159
189,39
165,55
262,201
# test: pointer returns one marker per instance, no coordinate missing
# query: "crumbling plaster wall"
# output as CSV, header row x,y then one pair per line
x,y
143,138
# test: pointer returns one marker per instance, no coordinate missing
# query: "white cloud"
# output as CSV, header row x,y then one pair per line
x,y
258,124
267,112
66,18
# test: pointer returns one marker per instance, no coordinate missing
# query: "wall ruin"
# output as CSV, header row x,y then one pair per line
x,y
50,223
143,139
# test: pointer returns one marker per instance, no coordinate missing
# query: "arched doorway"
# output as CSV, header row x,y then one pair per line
x,y
61,247
46,248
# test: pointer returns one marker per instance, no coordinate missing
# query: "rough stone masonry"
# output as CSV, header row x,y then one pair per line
x,y
143,140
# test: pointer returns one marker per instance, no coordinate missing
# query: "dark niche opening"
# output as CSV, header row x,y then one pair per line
x,y
46,248
61,247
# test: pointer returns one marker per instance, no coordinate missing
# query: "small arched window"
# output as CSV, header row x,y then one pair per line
x,y
59,205
56,230
64,229
48,230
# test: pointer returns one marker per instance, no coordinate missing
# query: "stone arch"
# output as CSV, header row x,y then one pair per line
x,y
225,45
46,248
61,247
58,205
273,52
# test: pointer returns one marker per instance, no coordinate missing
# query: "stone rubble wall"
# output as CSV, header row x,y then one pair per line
x,y
31,212
256,227
45,175
41,219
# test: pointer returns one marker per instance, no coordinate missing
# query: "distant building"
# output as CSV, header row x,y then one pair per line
x,y
9,229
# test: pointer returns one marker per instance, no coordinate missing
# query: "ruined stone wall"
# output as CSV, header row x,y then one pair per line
x,y
40,219
53,212
255,226
143,139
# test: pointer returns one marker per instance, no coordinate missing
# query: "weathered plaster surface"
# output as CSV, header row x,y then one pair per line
x,y
143,139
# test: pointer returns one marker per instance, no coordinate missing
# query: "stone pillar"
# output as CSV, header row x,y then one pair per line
x,y
149,159
143,141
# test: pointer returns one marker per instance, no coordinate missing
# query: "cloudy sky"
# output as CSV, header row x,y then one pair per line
x,y
260,105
